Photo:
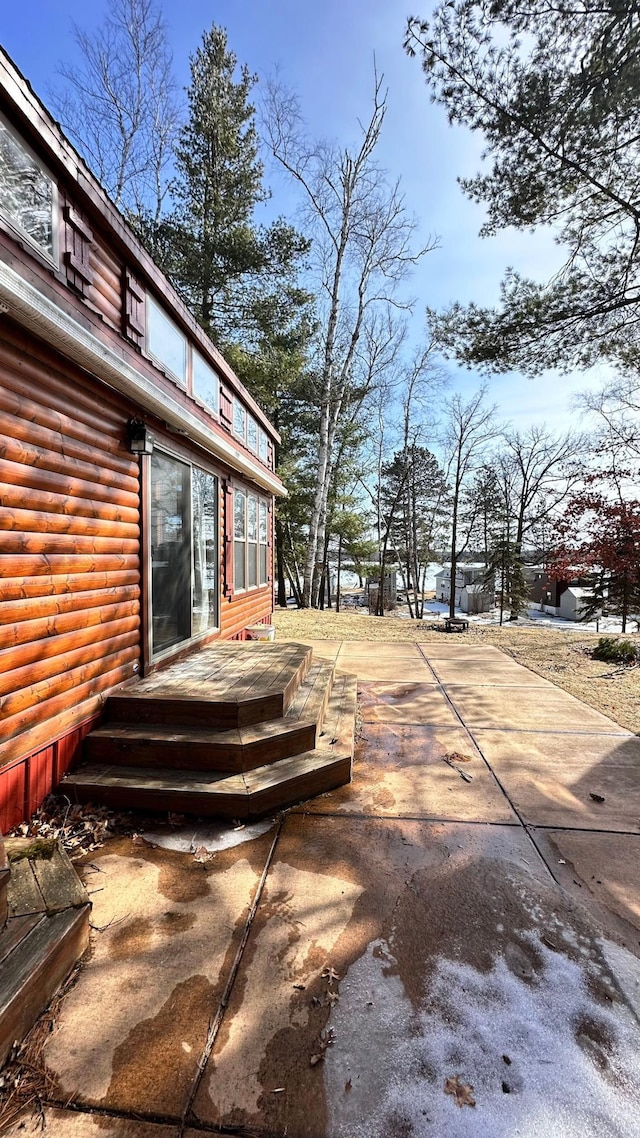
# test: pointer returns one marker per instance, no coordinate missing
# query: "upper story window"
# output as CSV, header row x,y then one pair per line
x,y
28,195
263,448
165,342
206,383
252,434
239,420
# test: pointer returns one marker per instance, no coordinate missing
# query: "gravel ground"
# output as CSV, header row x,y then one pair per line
x,y
558,656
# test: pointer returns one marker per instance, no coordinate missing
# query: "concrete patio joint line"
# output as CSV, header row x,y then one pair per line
x,y
216,1023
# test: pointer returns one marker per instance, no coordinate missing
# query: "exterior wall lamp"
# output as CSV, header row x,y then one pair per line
x,y
140,438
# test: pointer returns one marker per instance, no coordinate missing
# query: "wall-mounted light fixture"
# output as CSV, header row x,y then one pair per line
x,y
140,438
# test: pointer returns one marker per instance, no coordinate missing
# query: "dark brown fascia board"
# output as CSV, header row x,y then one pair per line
x,y
60,154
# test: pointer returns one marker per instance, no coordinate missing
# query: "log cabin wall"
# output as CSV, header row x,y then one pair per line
x,y
69,563
74,582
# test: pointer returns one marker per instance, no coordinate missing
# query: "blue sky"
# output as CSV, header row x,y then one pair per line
x,y
324,51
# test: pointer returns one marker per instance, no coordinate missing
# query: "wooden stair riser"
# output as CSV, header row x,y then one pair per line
x,y
199,755
290,792
33,972
203,804
172,712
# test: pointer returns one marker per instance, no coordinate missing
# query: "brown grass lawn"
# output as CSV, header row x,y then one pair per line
x,y
558,656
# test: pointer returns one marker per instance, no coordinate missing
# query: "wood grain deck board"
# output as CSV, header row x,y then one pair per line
x,y
32,974
24,896
59,884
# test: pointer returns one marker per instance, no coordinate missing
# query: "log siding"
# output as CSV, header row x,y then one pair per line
x,y
69,546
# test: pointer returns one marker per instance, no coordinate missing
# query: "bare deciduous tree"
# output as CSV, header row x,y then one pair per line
x,y
120,106
469,427
362,249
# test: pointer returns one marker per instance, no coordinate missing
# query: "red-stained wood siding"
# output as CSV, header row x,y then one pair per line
x,y
69,554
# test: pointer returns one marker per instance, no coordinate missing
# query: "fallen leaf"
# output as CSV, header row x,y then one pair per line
x,y
329,974
316,1059
332,998
348,1085
597,797
203,855
462,1092
458,757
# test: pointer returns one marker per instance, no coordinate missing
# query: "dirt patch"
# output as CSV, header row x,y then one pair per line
x,y
561,657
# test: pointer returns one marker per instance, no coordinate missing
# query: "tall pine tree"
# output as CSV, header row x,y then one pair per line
x,y
219,258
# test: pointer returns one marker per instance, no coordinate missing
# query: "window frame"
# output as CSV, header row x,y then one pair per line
x,y
195,357
152,659
261,503
252,421
237,403
150,304
263,444
14,226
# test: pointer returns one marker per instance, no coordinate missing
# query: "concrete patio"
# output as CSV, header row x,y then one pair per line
x,y
460,924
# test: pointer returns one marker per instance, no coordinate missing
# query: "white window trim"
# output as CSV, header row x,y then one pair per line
x,y
55,210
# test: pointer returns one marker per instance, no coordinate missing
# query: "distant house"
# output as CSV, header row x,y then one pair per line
x,y
560,596
137,474
472,593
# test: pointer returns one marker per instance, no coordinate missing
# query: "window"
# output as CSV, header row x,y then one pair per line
x,y
28,196
250,540
165,342
263,448
184,557
263,534
206,383
239,420
252,434
239,539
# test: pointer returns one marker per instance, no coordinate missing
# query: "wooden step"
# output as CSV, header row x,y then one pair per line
x,y
204,749
245,795
47,931
224,687
43,950
4,884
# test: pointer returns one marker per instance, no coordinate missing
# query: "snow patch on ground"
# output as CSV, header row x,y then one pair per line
x,y
572,1066
213,836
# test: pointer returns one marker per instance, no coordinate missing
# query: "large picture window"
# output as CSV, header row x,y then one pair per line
x,y
28,196
250,540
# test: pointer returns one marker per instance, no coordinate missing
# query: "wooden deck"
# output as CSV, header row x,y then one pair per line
x,y
236,731
46,931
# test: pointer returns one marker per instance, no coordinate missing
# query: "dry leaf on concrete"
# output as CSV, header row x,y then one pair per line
x,y
462,1092
329,974
203,855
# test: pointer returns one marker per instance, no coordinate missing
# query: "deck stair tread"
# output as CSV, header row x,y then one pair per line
x,y
263,788
225,685
47,931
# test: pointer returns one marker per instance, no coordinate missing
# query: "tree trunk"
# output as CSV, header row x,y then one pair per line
x,y
338,573
282,585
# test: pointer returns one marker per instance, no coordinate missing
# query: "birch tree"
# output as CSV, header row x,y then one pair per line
x,y
469,428
363,248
